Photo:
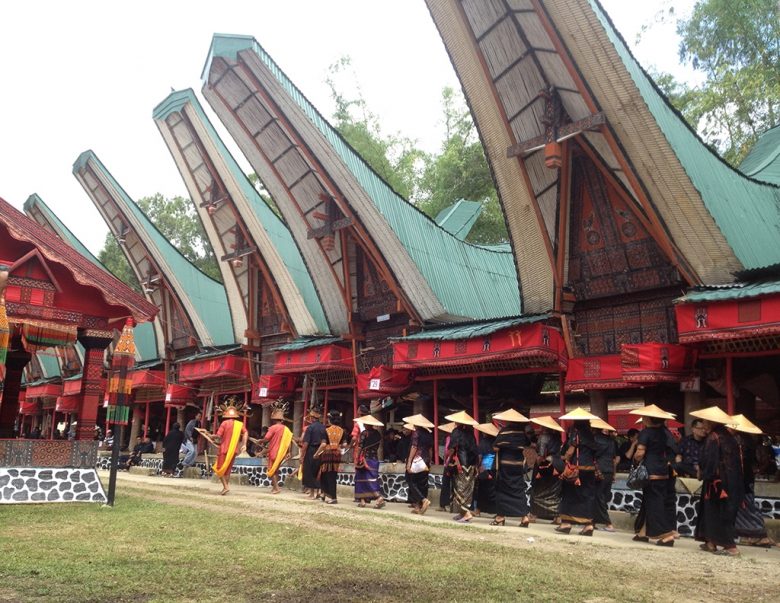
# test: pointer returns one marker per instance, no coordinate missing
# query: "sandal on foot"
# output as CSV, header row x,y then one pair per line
x,y
586,532
496,522
638,538
379,505
665,542
524,524
424,506
727,553
561,530
707,548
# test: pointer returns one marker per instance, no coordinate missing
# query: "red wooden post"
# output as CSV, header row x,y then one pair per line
x,y
729,385
167,420
562,400
146,420
327,397
354,402
436,421
475,404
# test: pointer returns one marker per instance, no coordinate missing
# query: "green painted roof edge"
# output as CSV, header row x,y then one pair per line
x,y
277,230
490,275
472,329
731,291
207,295
145,337
464,212
764,154
752,228
49,364
303,343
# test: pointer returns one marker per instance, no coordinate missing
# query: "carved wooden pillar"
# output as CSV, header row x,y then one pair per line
x,y
14,365
598,403
95,343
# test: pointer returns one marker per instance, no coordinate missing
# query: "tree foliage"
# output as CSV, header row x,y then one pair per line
x,y
461,171
735,44
178,222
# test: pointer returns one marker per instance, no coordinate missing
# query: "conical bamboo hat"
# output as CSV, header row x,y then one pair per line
x,y
369,420
548,422
447,427
487,428
511,415
578,414
463,418
419,421
601,424
651,410
714,414
743,424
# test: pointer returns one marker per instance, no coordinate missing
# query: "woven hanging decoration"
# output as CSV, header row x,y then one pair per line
x,y
5,333
120,384
42,335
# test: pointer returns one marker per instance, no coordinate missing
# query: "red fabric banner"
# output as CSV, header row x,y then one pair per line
x,y
595,372
68,403
29,407
178,395
657,362
328,357
147,379
209,368
44,390
271,387
730,319
538,344
383,381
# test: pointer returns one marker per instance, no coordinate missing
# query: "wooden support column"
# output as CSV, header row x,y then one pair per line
x,y
9,410
53,423
266,419
325,407
598,403
167,421
475,403
92,389
691,401
146,419
436,421
298,414
135,426
730,405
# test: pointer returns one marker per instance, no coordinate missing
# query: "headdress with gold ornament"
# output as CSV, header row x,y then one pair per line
x,y
232,408
315,410
279,409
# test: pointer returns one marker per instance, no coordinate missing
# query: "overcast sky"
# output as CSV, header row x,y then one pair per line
x,y
84,74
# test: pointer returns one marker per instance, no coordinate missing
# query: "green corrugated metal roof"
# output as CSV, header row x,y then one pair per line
x,y
747,212
732,291
459,218
277,230
206,294
308,342
49,364
471,330
763,160
145,337
468,280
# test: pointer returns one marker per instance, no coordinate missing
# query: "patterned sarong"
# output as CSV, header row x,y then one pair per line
x,y
463,489
367,481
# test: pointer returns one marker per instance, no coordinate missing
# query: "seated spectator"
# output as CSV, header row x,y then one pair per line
x,y
142,447
390,445
109,441
626,450
690,447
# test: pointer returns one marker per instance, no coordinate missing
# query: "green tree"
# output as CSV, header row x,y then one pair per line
x,y
735,44
394,157
461,171
113,258
177,221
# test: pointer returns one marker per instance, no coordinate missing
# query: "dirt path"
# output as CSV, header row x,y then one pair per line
x,y
683,573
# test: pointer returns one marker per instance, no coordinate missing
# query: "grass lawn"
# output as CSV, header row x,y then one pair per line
x,y
151,551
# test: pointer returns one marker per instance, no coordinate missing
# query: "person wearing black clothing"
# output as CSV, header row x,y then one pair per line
x,y
511,487
315,438
626,450
390,447
486,477
545,485
606,461
578,495
191,440
723,488
656,448
420,445
142,447
687,460
171,446
463,457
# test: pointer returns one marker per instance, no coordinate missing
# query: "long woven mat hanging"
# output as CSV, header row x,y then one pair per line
x,y
120,385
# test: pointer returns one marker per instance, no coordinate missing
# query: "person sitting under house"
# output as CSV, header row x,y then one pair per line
x,y
143,446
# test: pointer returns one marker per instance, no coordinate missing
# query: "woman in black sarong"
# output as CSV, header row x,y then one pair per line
x,y
750,524
723,489
420,452
578,495
511,487
545,484
657,519
171,447
464,457
486,478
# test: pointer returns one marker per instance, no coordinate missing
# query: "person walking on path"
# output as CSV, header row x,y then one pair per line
x,y
171,447
366,448
463,456
278,439
606,461
191,440
330,457
418,462
312,442
511,486
231,437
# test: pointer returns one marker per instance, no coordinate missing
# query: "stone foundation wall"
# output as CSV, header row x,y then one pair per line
x,y
28,485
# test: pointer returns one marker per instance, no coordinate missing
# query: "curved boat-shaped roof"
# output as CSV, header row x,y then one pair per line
x,y
708,218
236,218
36,208
193,298
305,162
763,160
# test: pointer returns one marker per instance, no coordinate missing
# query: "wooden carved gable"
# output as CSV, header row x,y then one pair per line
x,y
622,282
31,282
374,296
270,318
